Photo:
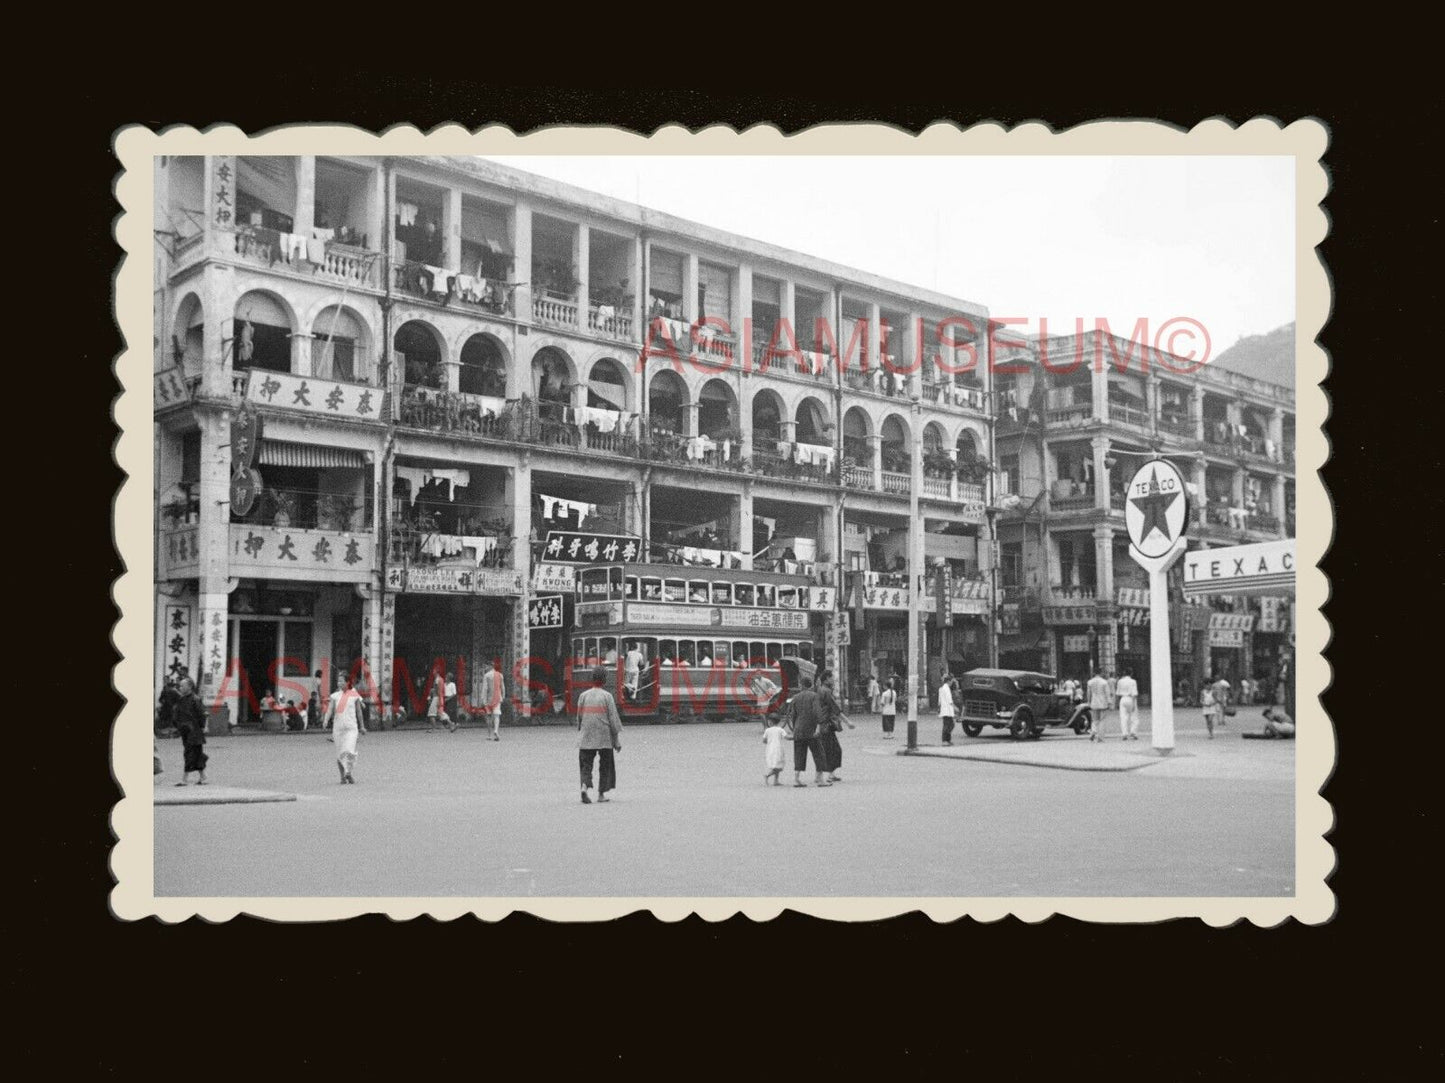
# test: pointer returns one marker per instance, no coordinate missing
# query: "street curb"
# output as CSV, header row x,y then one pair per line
x,y
1021,762
195,796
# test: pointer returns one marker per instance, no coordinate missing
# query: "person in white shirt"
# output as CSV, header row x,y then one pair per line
x,y
632,670
343,718
449,690
873,691
1128,707
945,706
1098,705
493,690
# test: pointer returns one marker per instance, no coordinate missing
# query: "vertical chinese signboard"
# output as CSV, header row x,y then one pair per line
x,y
177,632
223,192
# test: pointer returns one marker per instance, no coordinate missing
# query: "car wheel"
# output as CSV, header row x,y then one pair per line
x,y
973,729
1022,725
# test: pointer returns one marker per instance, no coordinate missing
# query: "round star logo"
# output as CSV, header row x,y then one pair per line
x,y
1154,507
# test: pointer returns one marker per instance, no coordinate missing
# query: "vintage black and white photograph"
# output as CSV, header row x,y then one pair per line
x,y
537,524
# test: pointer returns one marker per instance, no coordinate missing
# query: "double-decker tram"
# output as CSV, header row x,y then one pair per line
x,y
687,643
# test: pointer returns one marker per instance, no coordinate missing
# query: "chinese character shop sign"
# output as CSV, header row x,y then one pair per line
x,y
356,402
572,547
223,192
545,611
423,580
274,552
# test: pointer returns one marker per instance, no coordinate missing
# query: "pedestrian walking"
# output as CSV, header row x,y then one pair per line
x,y
343,718
1098,705
1222,693
1211,708
1128,690
873,693
773,751
888,706
436,704
494,690
600,736
833,722
190,719
946,707
313,703
806,716
449,690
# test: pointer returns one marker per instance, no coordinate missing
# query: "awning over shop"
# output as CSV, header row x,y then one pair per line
x,y
281,453
1261,568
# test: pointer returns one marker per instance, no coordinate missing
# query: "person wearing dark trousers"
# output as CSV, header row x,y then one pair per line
x,y
807,718
833,722
600,731
190,714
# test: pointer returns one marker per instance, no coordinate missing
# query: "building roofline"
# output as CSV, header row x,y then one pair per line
x,y
645,218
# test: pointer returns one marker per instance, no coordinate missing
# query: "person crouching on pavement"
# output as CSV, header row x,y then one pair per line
x,y
1277,723
600,731
1098,704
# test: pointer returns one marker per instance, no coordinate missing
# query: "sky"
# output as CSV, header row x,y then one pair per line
x,y
1206,239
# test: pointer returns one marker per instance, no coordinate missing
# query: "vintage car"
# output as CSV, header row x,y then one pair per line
x,y
1020,701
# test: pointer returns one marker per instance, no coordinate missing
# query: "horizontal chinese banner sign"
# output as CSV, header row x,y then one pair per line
x,y
461,581
1069,614
581,547
326,397
1225,637
1260,568
1233,622
274,552
1133,597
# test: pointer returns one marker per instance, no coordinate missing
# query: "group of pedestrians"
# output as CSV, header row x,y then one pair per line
x,y
812,721
1105,694
443,708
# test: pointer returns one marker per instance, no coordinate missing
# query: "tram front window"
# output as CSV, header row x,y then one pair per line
x,y
743,593
594,585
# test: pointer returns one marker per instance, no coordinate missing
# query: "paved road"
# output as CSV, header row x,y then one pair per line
x,y
457,815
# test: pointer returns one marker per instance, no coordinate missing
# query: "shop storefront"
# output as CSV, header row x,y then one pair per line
x,y
1075,638
1131,643
453,620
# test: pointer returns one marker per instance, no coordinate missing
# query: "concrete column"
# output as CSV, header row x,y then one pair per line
x,y
452,230
1100,444
1237,489
214,540
743,526
1276,431
522,244
582,257
1151,394
788,310
635,510
304,218
1201,484
1099,393
873,348
1278,508
218,357
875,448
1234,410
914,353
743,325
1196,406
690,313
378,229
1104,562
830,545
453,369
690,412
639,293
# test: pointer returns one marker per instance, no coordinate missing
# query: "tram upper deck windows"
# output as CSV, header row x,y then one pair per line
x,y
767,595
722,594
743,593
788,597
630,588
697,591
594,584
674,590
651,589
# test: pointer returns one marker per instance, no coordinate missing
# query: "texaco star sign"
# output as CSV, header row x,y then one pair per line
x,y
1155,508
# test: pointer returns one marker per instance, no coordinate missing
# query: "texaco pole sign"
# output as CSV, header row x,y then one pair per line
x,y
1156,512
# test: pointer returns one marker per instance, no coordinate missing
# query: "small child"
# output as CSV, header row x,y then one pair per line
x,y
888,703
1211,709
773,749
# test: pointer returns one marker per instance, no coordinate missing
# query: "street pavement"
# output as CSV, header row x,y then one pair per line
x,y
439,814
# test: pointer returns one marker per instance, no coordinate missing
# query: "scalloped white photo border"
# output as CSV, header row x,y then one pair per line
x,y
132,818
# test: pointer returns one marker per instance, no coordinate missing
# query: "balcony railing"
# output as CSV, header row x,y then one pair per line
x,y
606,320
342,262
952,394
420,544
1069,415
896,483
555,309
1071,498
306,509
1085,592
858,477
1262,521
457,412
939,487
771,463
1128,415
1177,425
